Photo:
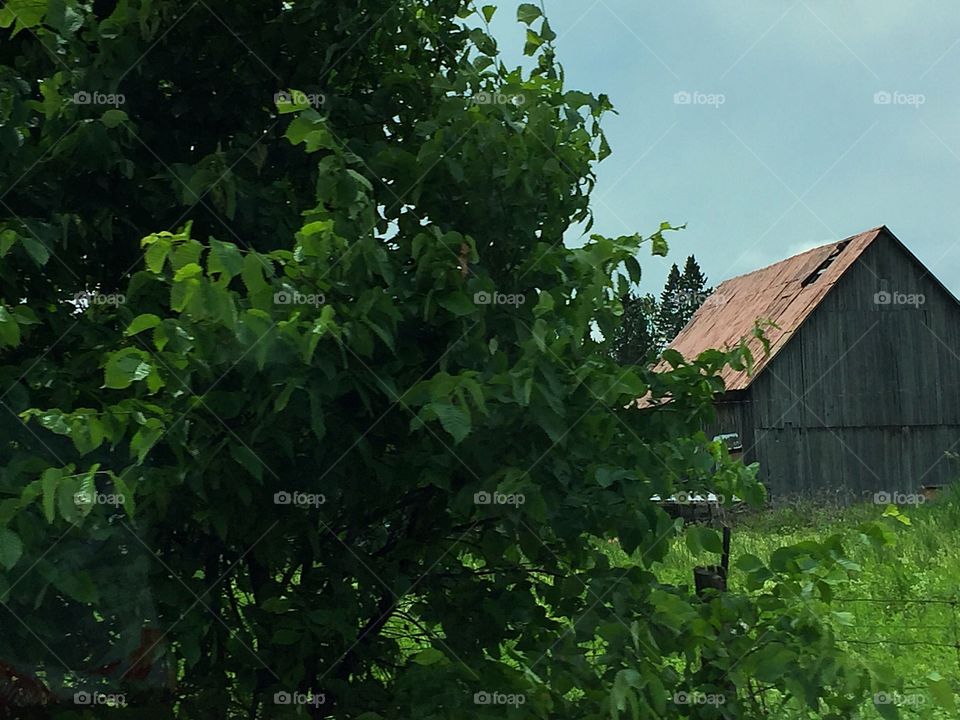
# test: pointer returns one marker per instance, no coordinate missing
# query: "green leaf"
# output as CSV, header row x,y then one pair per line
x,y
659,245
86,488
772,662
77,585
126,367
27,13
429,656
533,43
246,457
49,482
458,303
141,323
546,32
750,563
488,11
67,499
252,273
528,13
35,249
673,357
700,538
123,488
7,240
11,548
9,329
190,270
454,419
225,259
942,691
112,118
145,437
604,152
156,255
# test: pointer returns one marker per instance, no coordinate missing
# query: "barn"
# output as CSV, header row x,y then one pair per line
x,y
860,392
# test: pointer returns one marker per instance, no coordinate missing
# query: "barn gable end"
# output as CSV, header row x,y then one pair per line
x,y
862,395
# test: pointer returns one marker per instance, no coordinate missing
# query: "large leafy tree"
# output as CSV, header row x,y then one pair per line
x,y
328,419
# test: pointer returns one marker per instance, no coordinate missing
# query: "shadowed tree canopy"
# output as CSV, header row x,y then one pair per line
x,y
328,431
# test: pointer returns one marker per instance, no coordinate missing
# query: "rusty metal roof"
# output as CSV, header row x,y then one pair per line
x,y
784,293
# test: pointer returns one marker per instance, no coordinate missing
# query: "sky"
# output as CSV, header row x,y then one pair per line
x,y
768,127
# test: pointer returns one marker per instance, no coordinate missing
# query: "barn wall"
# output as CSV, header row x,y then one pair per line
x,y
854,463
866,395
734,416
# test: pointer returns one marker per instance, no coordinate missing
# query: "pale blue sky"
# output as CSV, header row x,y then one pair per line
x,y
798,153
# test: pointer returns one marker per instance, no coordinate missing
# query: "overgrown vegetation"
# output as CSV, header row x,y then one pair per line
x,y
900,612
303,411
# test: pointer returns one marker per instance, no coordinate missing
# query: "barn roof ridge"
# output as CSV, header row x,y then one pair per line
x,y
785,292
819,248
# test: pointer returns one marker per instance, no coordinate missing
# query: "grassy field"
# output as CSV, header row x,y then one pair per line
x,y
905,604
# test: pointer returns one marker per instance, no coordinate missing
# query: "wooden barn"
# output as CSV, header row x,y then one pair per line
x,y
860,393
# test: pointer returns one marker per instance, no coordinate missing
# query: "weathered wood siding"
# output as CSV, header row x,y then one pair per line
x,y
865,396
734,416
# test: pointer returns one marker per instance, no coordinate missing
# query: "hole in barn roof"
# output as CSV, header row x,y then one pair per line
x,y
822,267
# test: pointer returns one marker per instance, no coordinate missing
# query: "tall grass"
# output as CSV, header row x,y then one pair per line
x,y
905,602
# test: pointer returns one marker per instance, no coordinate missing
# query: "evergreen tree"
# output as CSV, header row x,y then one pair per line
x,y
693,285
635,339
682,294
669,320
